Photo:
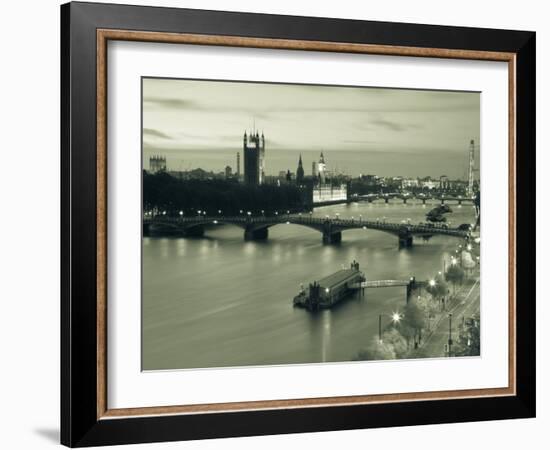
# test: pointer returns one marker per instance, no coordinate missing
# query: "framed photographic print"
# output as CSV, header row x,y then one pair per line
x,y
273,224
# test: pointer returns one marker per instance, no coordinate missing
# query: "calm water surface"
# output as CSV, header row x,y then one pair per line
x,y
219,301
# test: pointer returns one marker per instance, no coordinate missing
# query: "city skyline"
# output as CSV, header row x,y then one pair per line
x,y
381,131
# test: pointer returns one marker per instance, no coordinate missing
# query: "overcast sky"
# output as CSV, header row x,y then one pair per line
x,y
386,132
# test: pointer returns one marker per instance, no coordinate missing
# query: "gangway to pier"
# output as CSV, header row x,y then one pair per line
x,y
381,283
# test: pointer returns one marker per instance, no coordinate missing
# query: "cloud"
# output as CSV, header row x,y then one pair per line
x,y
359,141
389,125
155,133
170,103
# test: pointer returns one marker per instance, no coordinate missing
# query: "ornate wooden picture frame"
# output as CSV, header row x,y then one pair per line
x,y
86,418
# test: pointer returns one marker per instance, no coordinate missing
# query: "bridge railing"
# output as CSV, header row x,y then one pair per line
x,y
317,221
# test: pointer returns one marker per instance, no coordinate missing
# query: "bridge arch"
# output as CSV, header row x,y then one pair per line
x,y
331,230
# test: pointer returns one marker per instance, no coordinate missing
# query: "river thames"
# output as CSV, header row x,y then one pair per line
x,y
218,301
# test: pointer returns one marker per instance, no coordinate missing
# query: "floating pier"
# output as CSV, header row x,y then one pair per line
x,y
330,290
334,288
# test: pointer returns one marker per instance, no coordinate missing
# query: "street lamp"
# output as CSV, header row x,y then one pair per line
x,y
395,317
450,341
432,283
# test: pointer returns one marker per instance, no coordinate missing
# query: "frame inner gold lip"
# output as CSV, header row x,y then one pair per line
x,y
103,36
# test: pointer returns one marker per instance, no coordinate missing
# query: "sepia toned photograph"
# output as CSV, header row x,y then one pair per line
x,y
306,224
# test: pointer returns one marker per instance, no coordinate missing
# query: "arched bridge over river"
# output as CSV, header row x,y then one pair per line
x,y
257,227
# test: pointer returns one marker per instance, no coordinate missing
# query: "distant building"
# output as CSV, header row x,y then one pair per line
x,y
329,193
370,180
321,169
444,182
199,174
300,171
428,183
228,172
238,164
410,183
397,182
254,158
458,187
157,164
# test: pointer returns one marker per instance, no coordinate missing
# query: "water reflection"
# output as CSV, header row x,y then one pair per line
x,y
220,301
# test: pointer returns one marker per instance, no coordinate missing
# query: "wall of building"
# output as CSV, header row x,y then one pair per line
x,y
329,193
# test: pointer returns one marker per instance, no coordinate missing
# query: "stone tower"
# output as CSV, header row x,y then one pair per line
x,y
254,158
321,168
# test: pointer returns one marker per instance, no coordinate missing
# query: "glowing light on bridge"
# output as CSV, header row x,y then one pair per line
x,y
396,317
432,283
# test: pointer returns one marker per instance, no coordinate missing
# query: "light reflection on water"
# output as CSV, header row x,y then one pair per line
x,y
220,301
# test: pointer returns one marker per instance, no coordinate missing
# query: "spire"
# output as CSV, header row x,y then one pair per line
x,y
322,160
300,171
